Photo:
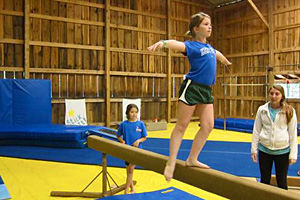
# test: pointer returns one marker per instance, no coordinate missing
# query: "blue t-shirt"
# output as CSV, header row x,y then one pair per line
x,y
132,131
203,62
273,112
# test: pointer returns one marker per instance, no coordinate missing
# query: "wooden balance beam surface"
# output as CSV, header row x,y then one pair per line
x,y
213,181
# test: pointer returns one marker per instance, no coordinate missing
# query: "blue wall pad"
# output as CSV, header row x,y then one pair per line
x,y
4,194
229,157
25,101
170,193
6,101
241,125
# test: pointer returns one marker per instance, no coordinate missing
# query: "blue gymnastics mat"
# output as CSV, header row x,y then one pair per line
x,y
25,101
170,193
230,157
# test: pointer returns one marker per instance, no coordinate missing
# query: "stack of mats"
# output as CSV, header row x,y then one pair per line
x,y
25,117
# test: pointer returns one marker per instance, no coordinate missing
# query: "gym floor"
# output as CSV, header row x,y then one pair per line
x,y
34,180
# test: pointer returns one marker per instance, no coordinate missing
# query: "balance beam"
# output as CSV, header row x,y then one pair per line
x,y
213,181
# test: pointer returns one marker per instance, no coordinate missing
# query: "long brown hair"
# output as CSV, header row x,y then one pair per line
x,y
196,20
285,107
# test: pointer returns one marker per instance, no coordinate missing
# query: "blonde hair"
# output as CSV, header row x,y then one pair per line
x,y
196,20
285,107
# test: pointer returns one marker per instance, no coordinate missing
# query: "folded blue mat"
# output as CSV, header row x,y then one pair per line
x,y
170,193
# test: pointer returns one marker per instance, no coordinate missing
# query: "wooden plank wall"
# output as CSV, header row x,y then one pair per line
x,y
286,54
244,39
69,44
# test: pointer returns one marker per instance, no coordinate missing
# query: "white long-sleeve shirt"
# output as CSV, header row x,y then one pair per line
x,y
275,135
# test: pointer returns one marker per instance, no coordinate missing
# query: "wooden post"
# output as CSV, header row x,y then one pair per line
x,y
107,63
271,42
169,62
104,171
26,39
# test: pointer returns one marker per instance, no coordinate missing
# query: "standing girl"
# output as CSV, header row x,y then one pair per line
x,y
275,137
195,92
134,133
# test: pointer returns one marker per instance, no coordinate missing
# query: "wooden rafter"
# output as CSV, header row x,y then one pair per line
x,y
258,12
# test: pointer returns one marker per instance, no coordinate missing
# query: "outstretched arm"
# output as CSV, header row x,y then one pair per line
x,y
171,44
222,58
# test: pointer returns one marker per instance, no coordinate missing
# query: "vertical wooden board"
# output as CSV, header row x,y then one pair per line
x,y
101,60
55,86
9,55
114,111
18,34
64,84
72,85
55,113
70,36
114,37
89,113
79,80
8,33
114,61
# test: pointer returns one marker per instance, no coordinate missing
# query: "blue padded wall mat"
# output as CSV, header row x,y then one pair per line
x,y
170,193
45,132
6,102
238,124
25,101
32,101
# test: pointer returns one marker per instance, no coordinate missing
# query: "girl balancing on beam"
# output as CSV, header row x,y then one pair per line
x,y
195,93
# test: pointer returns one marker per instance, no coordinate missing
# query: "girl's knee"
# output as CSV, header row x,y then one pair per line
x,y
207,126
181,127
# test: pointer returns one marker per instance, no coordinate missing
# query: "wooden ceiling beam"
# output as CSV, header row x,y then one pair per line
x,y
259,13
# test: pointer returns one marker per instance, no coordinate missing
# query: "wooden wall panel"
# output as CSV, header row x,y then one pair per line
x,y
68,46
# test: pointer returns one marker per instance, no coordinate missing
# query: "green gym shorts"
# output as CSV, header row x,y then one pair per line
x,y
192,93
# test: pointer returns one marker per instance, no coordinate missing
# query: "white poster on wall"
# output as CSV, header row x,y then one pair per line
x,y
75,112
137,102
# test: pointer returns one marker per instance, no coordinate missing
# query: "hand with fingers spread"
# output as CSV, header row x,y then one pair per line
x,y
157,45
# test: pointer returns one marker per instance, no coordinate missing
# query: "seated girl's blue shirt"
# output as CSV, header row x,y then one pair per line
x,y
203,60
132,131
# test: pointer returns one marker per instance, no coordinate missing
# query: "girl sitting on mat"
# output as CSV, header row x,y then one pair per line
x,y
275,137
134,133
195,93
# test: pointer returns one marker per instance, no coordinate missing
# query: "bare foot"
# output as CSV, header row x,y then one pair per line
x,y
196,163
126,191
169,170
132,189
